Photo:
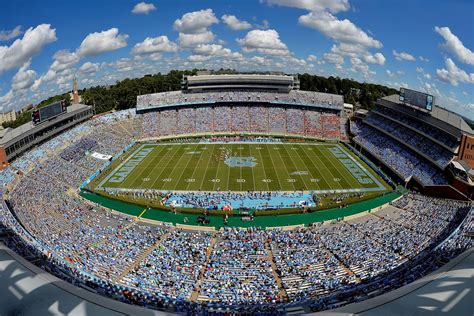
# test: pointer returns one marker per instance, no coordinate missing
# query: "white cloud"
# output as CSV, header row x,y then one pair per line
x,y
453,74
89,67
333,6
420,70
6,99
6,35
377,58
266,42
455,46
204,52
198,58
312,58
423,59
192,40
259,60
360,67
23,49
340,30
334,59
24,78
195,22
234,23
143,8
155,45
63,59
403,56
101,42
393,74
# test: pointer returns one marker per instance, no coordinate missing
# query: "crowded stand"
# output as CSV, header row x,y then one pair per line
x,y
194,269
421,144
253,119
231,266
395,155
296,97
435,133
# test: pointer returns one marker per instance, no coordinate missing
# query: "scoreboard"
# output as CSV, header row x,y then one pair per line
x,y
416,98
48,112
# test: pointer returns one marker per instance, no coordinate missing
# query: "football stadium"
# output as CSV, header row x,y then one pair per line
x,y
239,193
270,157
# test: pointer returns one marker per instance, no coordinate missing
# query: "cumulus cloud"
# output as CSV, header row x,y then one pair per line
x,y
101,42
191,40
377,58
215,50
333,6
234,23
24,78
340,30
6,98
266,42
455,46
155,45
23,49
453,75
351,41
403,56
63,59
312,58
143,8
6,35
195,22
89,67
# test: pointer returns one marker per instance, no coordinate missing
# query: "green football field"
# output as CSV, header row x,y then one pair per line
x,y
319,167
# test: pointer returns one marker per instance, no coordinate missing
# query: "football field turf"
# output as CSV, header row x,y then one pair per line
x,y
319,167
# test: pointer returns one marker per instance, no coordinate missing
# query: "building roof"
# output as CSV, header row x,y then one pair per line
x,y
240,77
440,114
9,134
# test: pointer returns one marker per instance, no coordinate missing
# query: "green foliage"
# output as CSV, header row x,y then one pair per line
x,y
123,95
354,92
54,99
21,119
25,117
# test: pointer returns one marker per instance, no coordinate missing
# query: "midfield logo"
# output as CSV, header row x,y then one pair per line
x,y
241,161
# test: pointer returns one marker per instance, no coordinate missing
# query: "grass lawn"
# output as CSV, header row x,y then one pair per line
x,y
318,167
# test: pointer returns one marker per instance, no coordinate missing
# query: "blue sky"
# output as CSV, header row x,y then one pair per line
x,y
424,45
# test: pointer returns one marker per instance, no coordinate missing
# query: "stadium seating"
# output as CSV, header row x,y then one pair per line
x,y
167,267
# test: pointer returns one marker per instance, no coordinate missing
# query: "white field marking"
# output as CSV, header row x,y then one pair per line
x,y
215,180
183,169
199,160
167,179
189,180
240,180
337,179
146,179
263,167
291,180
315,180
267,180
111,174
329,170
381,187
210,157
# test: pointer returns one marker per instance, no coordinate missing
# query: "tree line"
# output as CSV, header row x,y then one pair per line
x,y
123,94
